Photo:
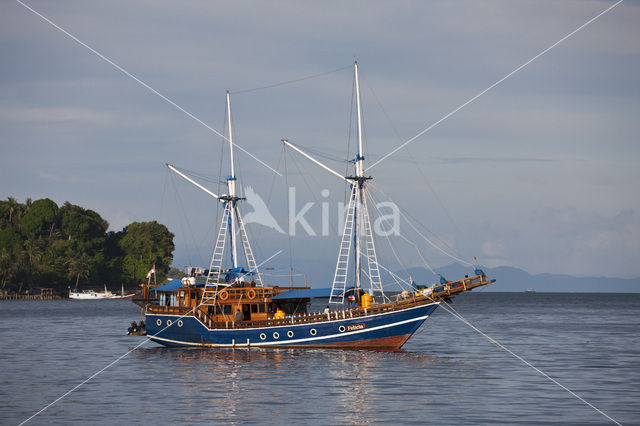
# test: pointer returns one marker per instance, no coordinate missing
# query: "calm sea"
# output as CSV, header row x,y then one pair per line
x,y
446,374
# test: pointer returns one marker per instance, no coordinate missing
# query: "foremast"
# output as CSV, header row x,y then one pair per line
x,y
230,226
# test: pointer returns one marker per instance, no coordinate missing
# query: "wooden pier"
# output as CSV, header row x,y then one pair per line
x,y
45,294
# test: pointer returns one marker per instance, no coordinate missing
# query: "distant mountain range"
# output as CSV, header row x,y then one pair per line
x,y
516,280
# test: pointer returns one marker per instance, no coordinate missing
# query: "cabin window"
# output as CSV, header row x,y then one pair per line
x,y
254,309
218,310
261,309
227,309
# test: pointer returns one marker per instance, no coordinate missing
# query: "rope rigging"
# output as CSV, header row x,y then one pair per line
x,y
283,83
409,220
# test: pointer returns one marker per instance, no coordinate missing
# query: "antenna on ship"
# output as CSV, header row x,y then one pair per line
x,y
357,225
230,226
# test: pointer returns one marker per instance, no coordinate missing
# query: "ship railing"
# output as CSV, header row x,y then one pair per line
x,y
315,317
438,293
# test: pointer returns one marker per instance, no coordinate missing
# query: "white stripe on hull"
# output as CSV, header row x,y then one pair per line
x,y
288,342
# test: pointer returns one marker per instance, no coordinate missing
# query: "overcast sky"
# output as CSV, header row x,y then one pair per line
x,y
541,173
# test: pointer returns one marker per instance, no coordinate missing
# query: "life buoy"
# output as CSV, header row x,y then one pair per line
x,y
251,294
223,295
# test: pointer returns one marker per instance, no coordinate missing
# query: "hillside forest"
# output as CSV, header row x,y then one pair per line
x,y
46,245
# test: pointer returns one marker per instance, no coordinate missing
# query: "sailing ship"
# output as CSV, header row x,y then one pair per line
x,y
235,308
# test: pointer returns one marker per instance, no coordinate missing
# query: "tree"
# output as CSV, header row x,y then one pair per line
x,y
11,256
11,212
78,267
145,244
41,243
41,217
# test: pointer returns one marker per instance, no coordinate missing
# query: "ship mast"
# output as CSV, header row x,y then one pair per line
x,y
357,225
359,160
231,226
231,184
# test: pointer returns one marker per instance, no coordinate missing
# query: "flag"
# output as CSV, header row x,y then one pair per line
x,y
151,271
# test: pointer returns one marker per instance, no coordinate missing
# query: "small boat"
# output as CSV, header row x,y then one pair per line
x,y
122,295
234,307
529,290
91,294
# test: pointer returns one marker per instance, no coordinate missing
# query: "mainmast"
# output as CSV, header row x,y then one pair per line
x,y
231,184
357,231
359,160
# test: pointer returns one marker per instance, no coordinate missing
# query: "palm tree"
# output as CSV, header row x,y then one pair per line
x,y
78,267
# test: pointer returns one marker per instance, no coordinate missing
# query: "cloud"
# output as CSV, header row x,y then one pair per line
x,y
493,248
53,114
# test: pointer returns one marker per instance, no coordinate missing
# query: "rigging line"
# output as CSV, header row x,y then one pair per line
x,y
428,265
222,144
145,85
384,296
412,159
322,154
498,344
127,353
286,191
194,253
440,240
436,236
393,249
258,234
202,176
348,163
283,83
395,276
496,83
406,215
181,219
311,191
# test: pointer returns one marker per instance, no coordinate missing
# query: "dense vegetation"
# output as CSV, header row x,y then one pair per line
x,y
43,245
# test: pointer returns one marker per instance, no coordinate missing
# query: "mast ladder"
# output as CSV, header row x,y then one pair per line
x,y
370,251
251,261
211,285
342,265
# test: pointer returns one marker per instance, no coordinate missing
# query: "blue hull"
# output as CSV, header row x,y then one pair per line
x,y
389,330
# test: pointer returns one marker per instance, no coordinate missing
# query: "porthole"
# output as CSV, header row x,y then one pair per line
x,y
341,329
290,334
180,323
263,336
158,322
313,331
169,322
276,335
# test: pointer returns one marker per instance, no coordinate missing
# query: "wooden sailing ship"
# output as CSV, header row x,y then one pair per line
x,y
235,307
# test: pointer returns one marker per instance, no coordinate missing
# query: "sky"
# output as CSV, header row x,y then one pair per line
x,y
541,172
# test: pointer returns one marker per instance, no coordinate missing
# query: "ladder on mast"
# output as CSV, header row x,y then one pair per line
x,y
211,285
248,253
370,251
342,265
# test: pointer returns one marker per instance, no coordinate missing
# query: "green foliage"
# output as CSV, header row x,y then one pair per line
x,y
145,244
44,245
40,217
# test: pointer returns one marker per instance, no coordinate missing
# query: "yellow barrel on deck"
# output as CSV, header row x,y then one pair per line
x,y
279,314
366,300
